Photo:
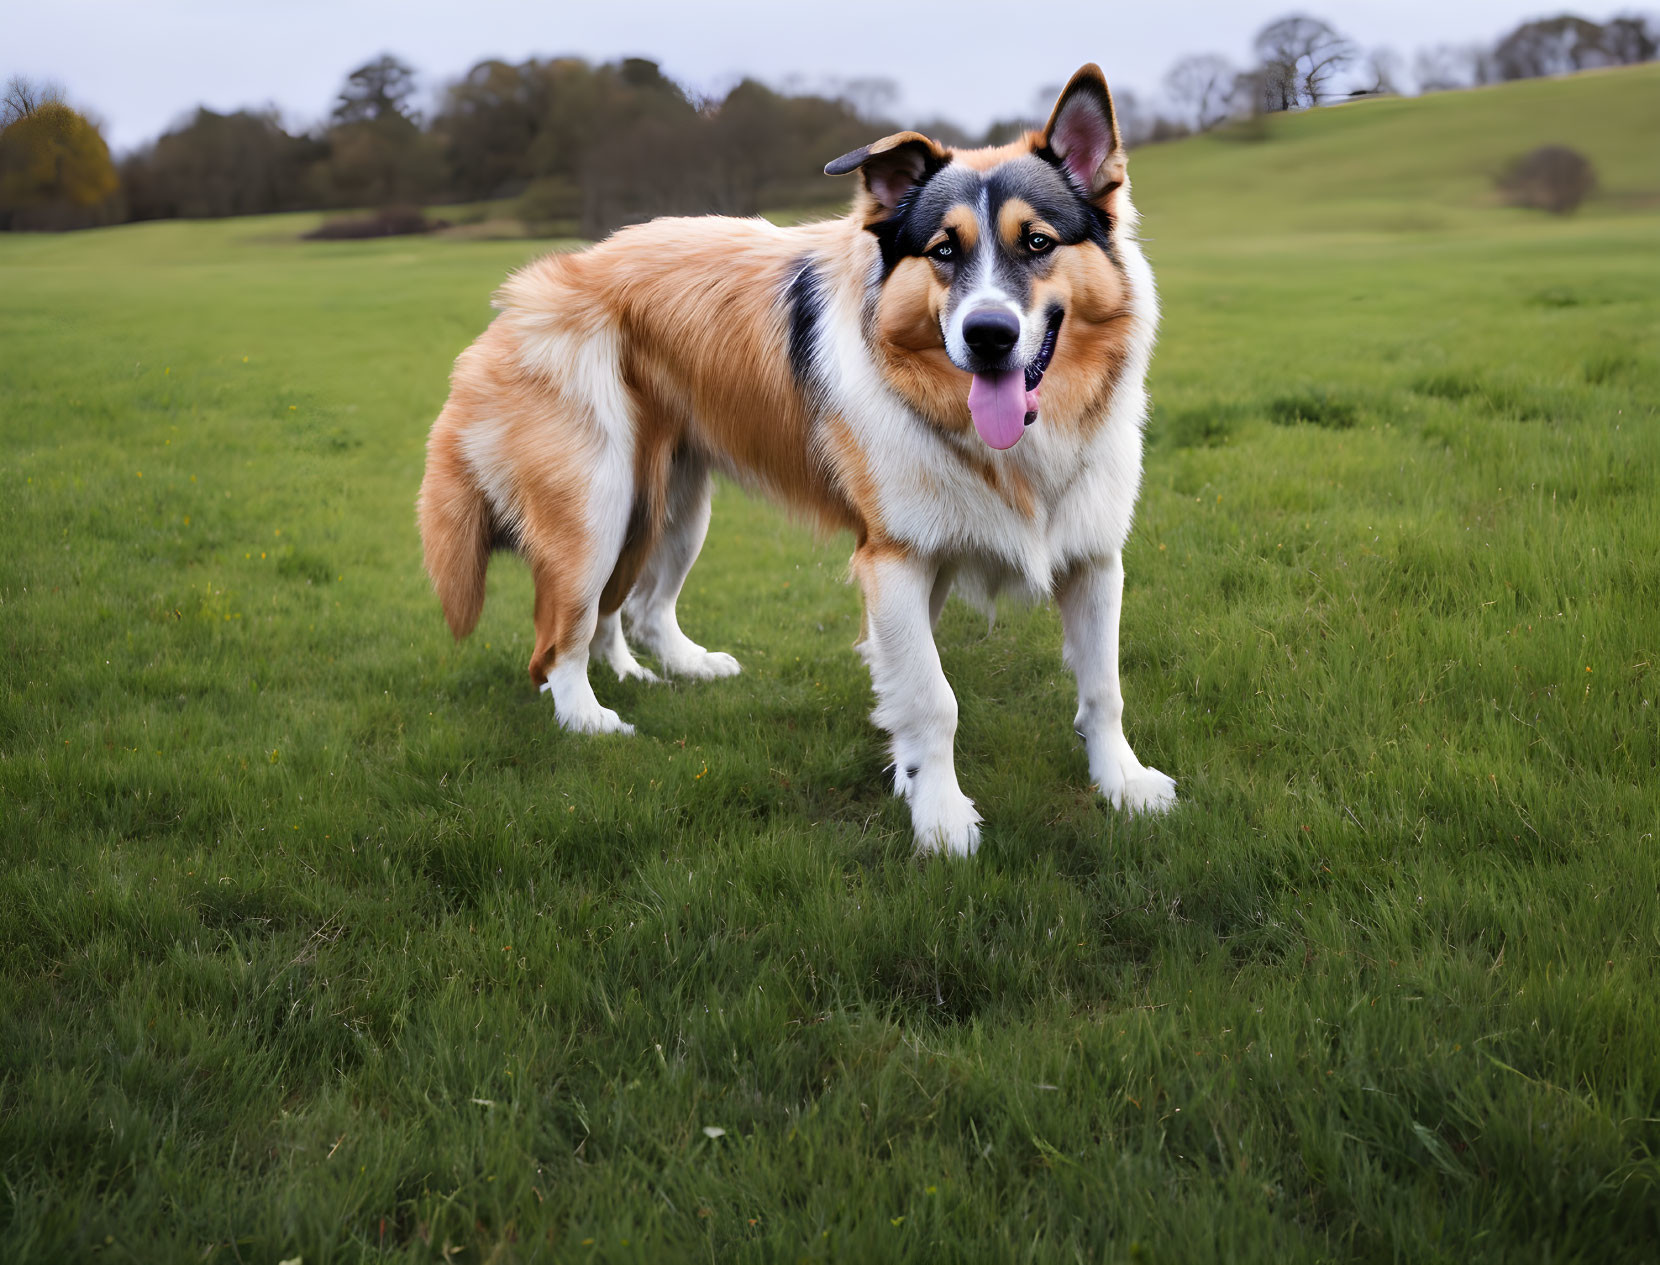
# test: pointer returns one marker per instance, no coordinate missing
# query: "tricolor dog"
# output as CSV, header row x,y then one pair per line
x,y
953,373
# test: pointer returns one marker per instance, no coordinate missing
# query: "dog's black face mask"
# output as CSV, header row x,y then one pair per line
x,y
1007,238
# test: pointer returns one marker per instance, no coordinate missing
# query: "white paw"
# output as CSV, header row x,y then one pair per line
x,y
629,666
957,839
943,820
593,720
1138,789
609,645
700,664
574,704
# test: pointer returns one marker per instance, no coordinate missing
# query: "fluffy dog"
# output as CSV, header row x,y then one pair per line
x,y
953,373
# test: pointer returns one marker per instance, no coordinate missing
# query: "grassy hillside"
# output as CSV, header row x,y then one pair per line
x,y
1392,164
321,940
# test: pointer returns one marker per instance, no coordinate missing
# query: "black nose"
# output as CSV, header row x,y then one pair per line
x,y
991,332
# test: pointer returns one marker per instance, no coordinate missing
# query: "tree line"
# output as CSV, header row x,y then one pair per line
x,y
593,146
1303,61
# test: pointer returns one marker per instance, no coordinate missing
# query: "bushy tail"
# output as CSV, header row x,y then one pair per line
x,y
455,530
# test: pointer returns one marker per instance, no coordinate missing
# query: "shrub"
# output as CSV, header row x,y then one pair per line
x,y
1207,426
1552,178
392,221
1448,385
1316,408
550,200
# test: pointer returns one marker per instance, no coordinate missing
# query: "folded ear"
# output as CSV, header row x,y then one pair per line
x,y
891,168
1083,133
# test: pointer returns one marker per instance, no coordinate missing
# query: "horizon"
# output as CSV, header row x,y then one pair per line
x,y
300,69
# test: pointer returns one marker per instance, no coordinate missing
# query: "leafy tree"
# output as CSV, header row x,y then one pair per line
x,y
623,135
1630,40
380,162
1562,45
221,164
375,90
486,126
378,154
55,170
768,148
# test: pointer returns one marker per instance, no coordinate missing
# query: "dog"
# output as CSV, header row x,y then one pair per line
x,y
953,373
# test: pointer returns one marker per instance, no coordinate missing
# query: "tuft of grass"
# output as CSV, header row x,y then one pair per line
x,y
322,941
1315,408
1203,426
1449,385
1610,367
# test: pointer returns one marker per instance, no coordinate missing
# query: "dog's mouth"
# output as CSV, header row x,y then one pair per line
x,y
1040,362
1004,403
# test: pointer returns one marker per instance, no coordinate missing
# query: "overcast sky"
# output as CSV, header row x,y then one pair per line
x,y
141,66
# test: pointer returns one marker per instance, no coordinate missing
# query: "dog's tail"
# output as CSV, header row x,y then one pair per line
x,y
455,528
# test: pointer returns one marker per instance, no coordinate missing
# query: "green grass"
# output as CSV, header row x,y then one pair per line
x,y
317,938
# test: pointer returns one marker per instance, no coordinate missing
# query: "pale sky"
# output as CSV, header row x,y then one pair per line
x,y
139,67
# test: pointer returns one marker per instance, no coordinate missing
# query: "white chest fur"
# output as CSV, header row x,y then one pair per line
x,y
932,499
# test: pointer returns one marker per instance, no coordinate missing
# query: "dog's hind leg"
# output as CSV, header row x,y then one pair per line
x,y
567,627
1090,599
575,520
914,702
651,603
608,643
936,598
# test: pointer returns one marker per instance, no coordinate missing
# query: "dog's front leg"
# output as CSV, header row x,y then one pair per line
x,y
1090,598
913,701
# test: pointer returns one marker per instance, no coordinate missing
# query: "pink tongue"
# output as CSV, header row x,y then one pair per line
x,y
999,403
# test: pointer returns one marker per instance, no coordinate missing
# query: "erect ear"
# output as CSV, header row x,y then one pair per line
x,y
1083,133
891,168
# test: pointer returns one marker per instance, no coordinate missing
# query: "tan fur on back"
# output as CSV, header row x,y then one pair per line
x,y
703,342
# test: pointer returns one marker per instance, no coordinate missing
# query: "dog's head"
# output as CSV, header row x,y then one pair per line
x,y
1001,264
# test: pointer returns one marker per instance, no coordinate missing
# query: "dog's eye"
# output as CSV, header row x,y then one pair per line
x,y
1038,243
945,251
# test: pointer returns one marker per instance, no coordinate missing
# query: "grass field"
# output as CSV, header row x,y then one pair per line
x,y
318,939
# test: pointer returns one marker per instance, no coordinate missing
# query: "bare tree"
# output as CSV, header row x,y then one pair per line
x,y
870,96
1484,67
1300,57
1248,98
1384,67
1042,102
1441,69
1135,120
24,96
1202,86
